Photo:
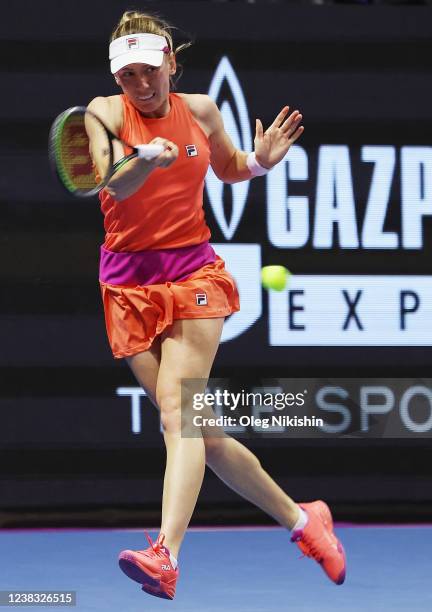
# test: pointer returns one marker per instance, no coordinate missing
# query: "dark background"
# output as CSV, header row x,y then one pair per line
x,y
360,76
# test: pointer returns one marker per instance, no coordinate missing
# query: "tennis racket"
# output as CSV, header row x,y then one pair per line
x,y
69,151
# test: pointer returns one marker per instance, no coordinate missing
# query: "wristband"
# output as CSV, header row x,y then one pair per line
x,y
254,167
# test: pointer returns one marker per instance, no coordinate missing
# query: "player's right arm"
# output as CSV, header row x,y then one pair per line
x,y
130,177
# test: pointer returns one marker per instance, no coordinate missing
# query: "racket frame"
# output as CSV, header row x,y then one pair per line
x,y
55,154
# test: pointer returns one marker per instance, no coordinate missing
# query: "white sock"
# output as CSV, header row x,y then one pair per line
x,y
301,521
173,561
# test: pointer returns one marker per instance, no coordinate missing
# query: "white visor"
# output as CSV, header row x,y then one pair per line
x,y
137,49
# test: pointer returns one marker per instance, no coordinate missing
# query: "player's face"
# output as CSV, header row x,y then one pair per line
x,y
147,86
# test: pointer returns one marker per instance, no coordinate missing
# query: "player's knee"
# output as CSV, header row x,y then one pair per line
x,y
170,411
214,448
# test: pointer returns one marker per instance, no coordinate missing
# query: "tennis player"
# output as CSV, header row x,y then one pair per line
x,y
166,292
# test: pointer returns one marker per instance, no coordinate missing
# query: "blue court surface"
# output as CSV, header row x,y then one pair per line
x,y
243,570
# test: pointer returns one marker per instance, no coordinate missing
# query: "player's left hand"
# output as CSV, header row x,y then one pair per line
x,y
272,145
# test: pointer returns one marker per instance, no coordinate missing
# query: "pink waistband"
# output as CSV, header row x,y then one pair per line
x,y
153,266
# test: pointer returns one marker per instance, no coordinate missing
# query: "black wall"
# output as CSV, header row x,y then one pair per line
x,y
360,76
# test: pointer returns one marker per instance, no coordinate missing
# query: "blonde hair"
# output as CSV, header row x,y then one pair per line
x,y
134,22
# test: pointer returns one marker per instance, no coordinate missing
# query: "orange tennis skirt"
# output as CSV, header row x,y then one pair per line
x,y
135,315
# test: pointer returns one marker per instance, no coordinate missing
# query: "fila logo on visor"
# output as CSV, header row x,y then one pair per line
x,y
132,43
191,150
201,299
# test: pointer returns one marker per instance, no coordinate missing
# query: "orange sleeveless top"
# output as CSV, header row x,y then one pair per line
x,y
167,211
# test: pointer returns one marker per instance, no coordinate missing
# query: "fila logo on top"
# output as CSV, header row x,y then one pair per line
x,y
191,150
132,43
201,299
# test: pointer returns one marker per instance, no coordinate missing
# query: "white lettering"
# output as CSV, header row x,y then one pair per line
x,y
335,205
323,404
367,406
135,393
416,193
288,216
373,234
404,409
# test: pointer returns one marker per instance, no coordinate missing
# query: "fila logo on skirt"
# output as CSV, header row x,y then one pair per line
x,y
201,299
191,150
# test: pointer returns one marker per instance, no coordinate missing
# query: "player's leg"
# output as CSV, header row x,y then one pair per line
x,y
233,463
228,458
312,528
240,469
145,366
188,349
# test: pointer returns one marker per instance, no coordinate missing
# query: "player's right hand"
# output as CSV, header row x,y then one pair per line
x,y
168,155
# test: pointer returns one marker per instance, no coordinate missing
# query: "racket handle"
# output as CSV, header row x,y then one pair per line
x,y
149,151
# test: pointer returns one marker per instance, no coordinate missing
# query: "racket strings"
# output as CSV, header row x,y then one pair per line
x,y
74,162
75,152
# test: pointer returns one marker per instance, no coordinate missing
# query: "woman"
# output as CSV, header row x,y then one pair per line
x,y
166,293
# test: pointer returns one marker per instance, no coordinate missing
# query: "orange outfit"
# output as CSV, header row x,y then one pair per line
x,y
165,213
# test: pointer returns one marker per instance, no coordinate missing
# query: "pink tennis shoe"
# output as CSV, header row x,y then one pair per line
x,y
152,568
318,541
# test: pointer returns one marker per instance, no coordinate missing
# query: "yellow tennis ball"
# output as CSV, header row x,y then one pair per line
x,y
274,277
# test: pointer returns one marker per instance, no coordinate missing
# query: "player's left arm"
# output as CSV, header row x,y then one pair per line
x,y
229,163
